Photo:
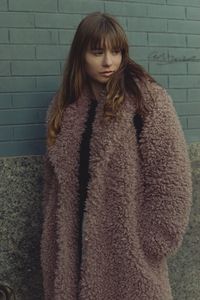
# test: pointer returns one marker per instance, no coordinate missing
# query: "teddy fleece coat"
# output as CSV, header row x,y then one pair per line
x,y
137,206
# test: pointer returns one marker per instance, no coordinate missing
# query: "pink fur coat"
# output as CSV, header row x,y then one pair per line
x,y
137,207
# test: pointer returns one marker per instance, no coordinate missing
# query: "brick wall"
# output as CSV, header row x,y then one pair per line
x,y
34,41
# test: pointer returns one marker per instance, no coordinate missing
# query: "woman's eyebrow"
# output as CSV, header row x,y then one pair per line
x,y
97,49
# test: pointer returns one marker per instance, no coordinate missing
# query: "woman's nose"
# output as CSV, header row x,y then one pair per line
x,y
107,59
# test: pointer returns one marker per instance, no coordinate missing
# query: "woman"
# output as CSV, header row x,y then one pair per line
x,y
117,186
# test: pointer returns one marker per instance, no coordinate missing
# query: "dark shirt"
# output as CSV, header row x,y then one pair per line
x,y
84,175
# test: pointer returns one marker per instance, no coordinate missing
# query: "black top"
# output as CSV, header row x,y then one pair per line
x,y
84,155
84,164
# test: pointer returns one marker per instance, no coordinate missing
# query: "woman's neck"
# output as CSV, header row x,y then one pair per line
x,y
98,90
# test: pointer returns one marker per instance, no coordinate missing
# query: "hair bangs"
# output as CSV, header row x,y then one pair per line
x,y
107,36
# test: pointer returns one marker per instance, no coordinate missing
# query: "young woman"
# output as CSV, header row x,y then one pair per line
x,y
117,185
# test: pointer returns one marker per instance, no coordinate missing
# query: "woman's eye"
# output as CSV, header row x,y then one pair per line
x,y
97,52
116,51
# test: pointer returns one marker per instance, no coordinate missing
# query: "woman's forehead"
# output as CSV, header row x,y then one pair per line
x,y
103,43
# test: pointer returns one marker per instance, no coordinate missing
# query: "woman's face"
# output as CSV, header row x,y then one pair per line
x,y
101,63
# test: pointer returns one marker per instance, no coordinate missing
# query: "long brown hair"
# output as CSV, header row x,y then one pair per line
x,y
91,32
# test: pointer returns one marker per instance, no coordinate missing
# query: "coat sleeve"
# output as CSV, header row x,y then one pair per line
x,y
50,184
49,179
48,245
166,170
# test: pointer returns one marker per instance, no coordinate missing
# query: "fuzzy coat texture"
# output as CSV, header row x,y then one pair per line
x,y
137,207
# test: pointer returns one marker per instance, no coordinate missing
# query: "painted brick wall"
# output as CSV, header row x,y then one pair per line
x,y
34,41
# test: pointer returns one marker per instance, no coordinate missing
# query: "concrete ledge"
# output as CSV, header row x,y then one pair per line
x,y
20,225
185,266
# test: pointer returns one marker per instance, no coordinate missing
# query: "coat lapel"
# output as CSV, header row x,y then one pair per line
x,y
64,155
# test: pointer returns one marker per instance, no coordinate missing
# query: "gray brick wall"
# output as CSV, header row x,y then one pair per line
x,y
35,37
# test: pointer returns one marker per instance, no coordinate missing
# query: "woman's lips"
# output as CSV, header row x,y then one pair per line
x,y
106,74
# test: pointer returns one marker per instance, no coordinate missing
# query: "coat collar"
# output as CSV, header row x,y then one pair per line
x,y
64,154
